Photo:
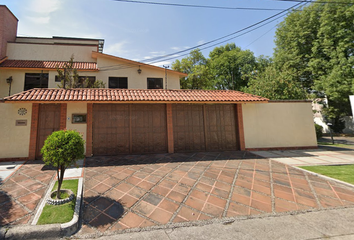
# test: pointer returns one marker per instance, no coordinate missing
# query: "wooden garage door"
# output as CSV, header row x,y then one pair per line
x,y
149,128
204,127
188,127
220,127
110,129
129,128
48,122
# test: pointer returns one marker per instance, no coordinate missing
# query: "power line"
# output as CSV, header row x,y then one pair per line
x,y
154,60
320,2
199,6
261,36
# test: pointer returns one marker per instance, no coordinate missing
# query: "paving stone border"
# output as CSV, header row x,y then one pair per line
x,y
50,230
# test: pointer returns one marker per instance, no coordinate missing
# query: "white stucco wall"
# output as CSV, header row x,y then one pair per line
x,y
80,127
49,52
135,80
18,77
278,124
14,139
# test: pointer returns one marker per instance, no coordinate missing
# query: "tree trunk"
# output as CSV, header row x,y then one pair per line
x,y
60,180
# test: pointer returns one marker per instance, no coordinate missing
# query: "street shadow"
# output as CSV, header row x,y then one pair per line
x,y
5,206
139,159
99,211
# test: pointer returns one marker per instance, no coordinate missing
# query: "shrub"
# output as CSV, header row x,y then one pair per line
x,y
61,149
318,129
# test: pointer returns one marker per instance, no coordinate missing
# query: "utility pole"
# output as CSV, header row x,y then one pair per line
x,y
166,75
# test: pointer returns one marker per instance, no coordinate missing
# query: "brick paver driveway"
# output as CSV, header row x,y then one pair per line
x,y
21,193
136,191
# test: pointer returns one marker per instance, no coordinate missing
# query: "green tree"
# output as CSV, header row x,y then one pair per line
x,y
61,149
275,85
196,66
69,78
317,46
231,66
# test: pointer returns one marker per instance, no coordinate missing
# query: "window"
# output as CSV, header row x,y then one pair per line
x,y
154,83
118,82
36,80
91,79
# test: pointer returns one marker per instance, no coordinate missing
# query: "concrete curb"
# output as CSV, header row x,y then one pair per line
x,y
49,231
326,177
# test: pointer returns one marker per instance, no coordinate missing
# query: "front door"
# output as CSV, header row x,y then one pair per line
x,y
48,122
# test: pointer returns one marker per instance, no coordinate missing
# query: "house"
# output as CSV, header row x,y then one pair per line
x,y
140,110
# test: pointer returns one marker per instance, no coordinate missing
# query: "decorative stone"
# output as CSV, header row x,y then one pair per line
x,y
52,201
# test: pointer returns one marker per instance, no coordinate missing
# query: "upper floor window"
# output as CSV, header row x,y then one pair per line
x,y
91,79
154,83
36,80
118,82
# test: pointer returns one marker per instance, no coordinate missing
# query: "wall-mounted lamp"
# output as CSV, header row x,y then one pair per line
x,y
139,70
9,81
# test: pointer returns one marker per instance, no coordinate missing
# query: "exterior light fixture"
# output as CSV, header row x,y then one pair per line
x,y
139,70
9,81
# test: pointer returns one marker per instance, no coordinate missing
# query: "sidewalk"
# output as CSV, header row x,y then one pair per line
x,y
326,224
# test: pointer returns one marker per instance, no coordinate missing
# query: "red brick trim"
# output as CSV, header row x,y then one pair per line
x,y
33,133
281,148
63,110
89,130
240,128
170,140
13,159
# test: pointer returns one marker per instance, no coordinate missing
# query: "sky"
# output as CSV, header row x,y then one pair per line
x,y
141,31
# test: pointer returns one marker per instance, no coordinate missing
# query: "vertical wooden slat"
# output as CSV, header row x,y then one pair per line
x,y
205,128
169,119
34,131
63,111
240,129
89,121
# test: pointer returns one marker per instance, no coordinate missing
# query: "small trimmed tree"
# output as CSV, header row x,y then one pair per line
x,y
61,149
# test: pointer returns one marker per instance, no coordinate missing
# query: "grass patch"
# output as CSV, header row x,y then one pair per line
x,y
336,145
60,213
341,172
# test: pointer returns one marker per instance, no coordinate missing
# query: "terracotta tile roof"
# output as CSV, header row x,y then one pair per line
x,y
46,64
133,95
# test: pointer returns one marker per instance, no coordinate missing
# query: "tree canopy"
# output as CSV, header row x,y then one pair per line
x,y
69,78
317,46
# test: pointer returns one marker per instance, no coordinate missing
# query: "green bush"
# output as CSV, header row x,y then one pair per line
x,y
319,133
61,149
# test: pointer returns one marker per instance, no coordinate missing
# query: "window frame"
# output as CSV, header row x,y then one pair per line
x,y
117,78
155,78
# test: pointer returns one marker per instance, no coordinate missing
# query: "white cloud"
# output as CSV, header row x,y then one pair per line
x,y
39,11
160,64
117,49
200,42
44,6
175,48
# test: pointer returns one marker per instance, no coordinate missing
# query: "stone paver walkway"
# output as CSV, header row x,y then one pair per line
x,y
21,193
309,157
139,191
8,168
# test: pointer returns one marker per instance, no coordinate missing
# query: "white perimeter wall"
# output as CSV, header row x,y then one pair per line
x,y
14,140
278,124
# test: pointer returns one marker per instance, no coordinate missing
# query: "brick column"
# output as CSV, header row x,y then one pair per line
x,y
63,111
170,141
89,130
34,131
240,129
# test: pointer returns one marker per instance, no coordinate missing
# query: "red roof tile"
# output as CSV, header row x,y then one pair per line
x,y
133,95
46,64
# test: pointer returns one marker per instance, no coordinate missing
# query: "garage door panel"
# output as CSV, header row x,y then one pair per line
x,y
188,128
149,128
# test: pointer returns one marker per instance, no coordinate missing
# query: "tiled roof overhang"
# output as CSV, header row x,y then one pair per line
x,y
103,95
88,66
